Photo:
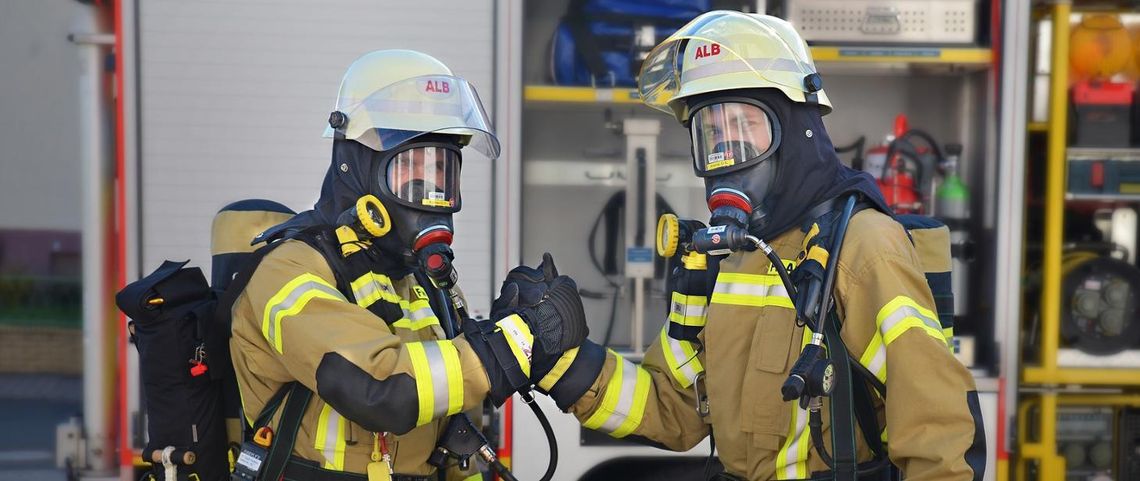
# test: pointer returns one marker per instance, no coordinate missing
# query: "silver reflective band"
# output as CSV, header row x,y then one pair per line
x,y
625,401
688,310
904,312
438,378
737,288
686,369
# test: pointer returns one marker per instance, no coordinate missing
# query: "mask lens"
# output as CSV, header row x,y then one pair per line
x,y
729,134
426,177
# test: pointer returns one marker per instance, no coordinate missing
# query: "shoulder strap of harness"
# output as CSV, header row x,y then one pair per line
x,y
285,436
852,401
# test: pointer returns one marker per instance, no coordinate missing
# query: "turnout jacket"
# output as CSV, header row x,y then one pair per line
x,y
747,343
380,364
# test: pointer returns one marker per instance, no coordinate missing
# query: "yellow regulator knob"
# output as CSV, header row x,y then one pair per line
x,y
668,233
373,216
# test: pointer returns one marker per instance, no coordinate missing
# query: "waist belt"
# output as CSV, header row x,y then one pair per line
x,y
298,469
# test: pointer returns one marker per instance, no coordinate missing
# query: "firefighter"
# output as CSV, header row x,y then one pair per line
x,y
746,87
340,309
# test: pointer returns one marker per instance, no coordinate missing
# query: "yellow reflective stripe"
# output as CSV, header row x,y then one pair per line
x,y
372,287
948,333
755,290
519,338
474,477
330,438
417,315
755,279
422,373
454,376
875,357
623,405
681,358
688,310
640,399
439,379
752,301
560,367
897,316
903,313
291,299
791,462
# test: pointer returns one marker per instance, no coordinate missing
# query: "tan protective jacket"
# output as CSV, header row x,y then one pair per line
x,y
292,324
750,342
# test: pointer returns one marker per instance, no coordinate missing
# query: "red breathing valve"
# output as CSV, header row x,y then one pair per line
x,y
728,199
435,261
438,236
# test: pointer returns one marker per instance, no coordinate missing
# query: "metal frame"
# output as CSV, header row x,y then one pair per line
x,y
1047,371
1045,450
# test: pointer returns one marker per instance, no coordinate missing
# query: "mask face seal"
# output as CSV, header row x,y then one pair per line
x,y
421,184
424,176
732,134
734,144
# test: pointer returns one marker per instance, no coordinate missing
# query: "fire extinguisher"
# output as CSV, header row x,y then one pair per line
x,y
898,186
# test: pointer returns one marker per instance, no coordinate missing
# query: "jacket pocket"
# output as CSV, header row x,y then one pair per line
x,y
764,410
773,339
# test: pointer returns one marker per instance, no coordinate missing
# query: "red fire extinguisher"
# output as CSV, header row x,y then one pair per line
x,y
898,186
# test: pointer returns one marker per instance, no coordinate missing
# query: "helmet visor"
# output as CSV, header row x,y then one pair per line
x,y
400,112
730,135
425,177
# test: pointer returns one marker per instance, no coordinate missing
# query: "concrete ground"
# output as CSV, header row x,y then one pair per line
x,y
31,405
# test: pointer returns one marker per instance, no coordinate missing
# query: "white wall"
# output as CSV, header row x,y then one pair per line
x,y
234,96
39,83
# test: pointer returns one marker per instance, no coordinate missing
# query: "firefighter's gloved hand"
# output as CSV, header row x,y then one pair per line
x,y
550,306
524,287
558,321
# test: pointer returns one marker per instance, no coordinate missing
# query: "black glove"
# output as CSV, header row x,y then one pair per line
x,y
524,287
550,306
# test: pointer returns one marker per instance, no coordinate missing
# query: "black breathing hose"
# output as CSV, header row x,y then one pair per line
x,y
550,439
492,460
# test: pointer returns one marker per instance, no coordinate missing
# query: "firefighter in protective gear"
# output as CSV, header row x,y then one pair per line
x,y
342,307
746,87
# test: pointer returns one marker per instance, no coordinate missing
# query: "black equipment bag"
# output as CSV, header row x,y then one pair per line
x,y
170,311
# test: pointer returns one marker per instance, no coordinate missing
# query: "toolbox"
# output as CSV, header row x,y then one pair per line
x,y
1104,172
1101,114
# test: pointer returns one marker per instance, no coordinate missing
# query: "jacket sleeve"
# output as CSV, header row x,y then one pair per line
x,y
933,422
653,402
348,356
